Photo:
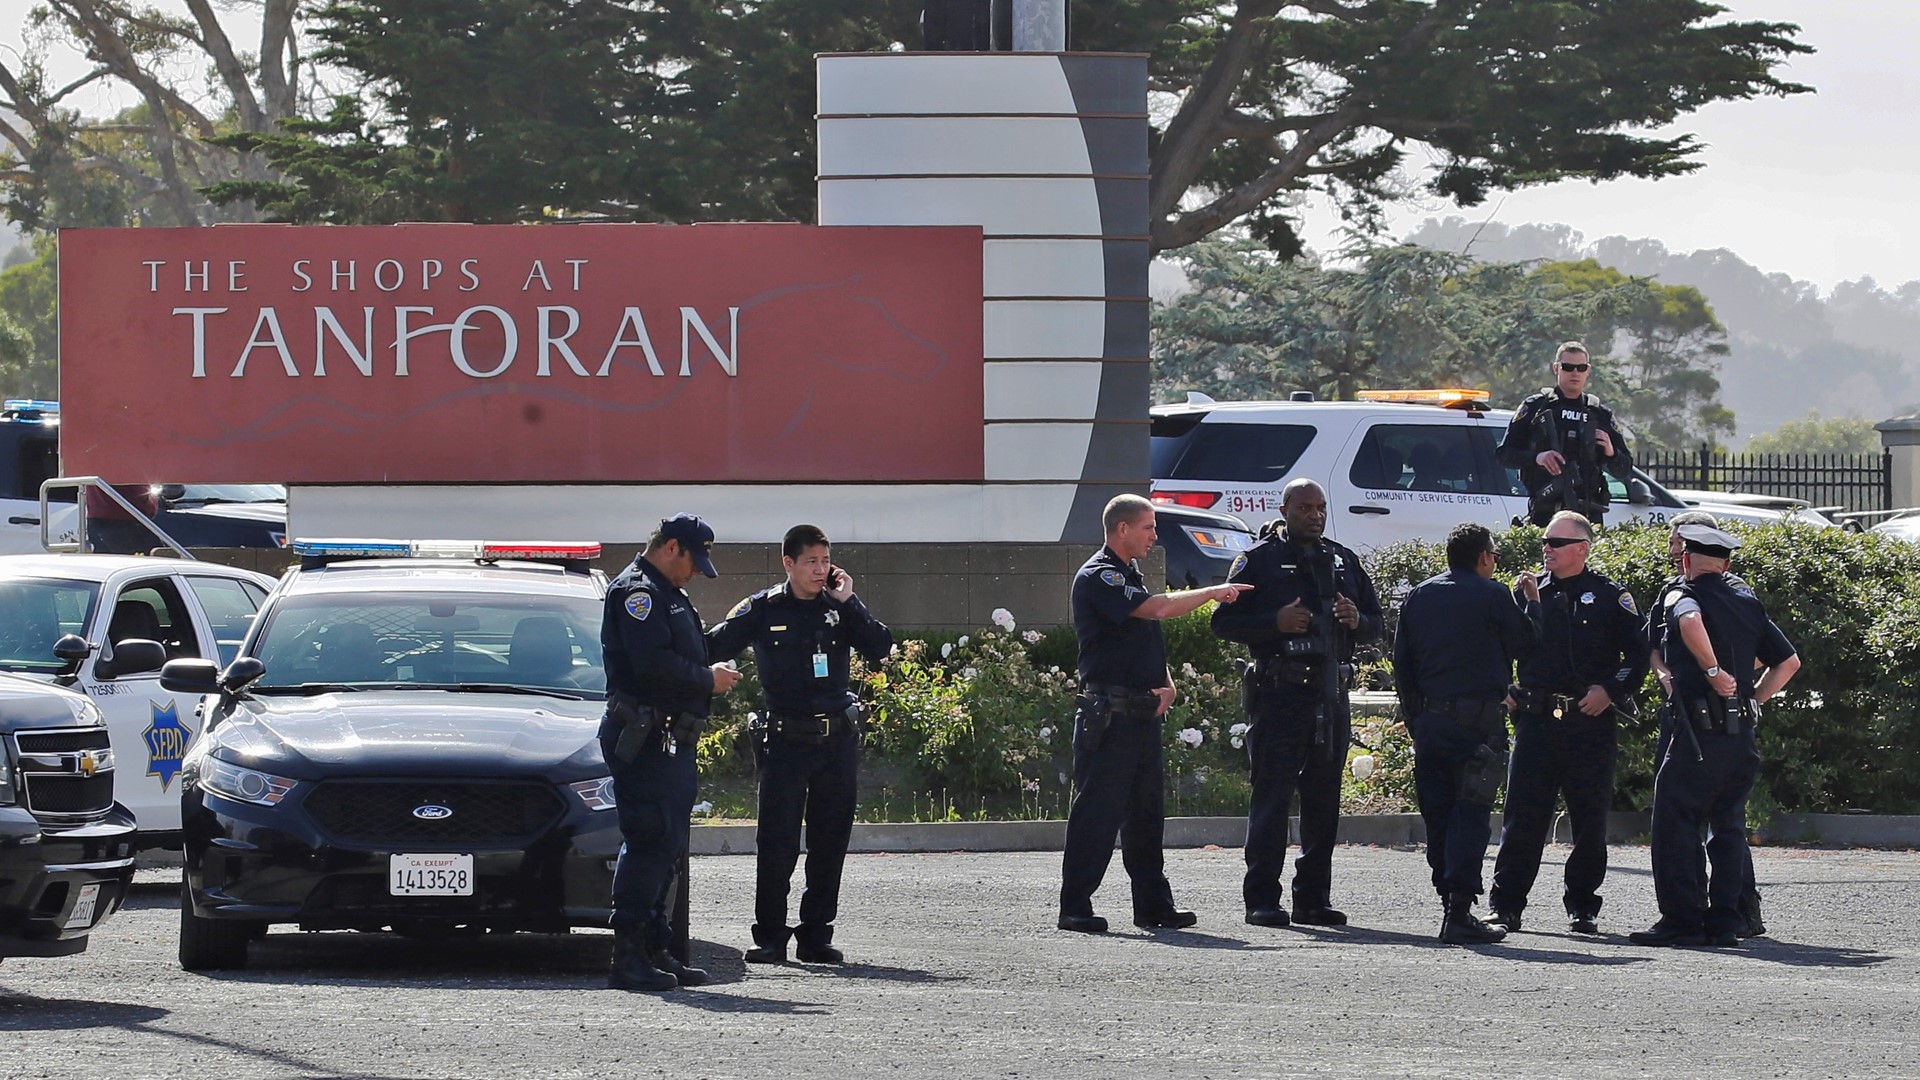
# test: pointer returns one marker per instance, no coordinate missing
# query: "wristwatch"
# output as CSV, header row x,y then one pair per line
x,y
1712,671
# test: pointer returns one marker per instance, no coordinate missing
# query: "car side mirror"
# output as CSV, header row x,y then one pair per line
x,y
190,676
170,492
72,648
242,673
1638,493
134,656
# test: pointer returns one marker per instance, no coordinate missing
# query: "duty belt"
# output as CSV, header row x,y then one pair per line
x,y
1120,700
1545,702
1474,713
816,727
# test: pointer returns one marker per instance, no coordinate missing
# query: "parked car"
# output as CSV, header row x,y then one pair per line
x,y
1199,544
102,625
406,742
1402,465
1900,528
1735,504
66,847
194,515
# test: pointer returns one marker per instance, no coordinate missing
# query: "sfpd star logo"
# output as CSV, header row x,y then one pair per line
x,y
166,738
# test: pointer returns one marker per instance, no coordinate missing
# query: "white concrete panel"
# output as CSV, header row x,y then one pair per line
x,y
1045,268
1001,206
905,514
1034,328
1037,451
943,84
1042,391
939,144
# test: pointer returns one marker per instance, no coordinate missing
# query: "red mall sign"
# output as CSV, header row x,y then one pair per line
x,y
471,353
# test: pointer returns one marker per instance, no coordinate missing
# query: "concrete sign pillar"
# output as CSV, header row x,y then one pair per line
x,y
1901,437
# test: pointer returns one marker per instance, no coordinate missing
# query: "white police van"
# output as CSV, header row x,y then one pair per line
x,y
1397,465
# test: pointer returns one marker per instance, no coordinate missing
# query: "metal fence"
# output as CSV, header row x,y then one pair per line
x,y
1854,481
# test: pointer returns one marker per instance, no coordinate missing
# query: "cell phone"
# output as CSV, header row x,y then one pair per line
x,y
836,578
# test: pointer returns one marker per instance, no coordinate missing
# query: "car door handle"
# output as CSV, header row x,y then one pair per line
x,y
23,521
1368,510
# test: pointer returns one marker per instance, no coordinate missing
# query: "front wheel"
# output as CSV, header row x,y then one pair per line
x,y
211,944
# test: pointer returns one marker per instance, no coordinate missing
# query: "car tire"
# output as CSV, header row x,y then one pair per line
x,y
210,944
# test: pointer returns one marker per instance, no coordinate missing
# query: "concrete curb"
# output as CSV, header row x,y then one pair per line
x,y
1380,830
1846,830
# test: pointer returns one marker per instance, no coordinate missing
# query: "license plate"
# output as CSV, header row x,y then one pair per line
x,y
81,916
430,875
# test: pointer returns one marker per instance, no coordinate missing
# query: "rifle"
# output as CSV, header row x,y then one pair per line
x,y
1331,634
1572,489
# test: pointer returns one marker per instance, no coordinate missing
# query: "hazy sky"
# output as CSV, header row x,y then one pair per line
x,y
1820,186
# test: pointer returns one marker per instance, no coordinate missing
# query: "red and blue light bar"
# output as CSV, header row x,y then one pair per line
x,y
488,550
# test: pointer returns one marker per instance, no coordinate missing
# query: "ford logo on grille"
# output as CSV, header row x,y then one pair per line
x,y
432,812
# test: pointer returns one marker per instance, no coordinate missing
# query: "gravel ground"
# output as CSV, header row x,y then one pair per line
x,y
958,972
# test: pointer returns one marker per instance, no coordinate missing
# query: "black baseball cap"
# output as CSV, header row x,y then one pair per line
x,y
695,537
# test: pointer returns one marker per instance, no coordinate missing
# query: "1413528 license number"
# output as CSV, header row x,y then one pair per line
x,y
430,875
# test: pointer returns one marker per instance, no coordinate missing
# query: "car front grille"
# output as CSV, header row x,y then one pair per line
x,y
66,773
381,813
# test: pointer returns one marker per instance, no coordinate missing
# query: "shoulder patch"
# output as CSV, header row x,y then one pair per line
x,y
1626,601
1113,577
1239,564
741,608
640,605
1672,597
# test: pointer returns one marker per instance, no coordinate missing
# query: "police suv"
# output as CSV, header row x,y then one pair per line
x,y
1397,465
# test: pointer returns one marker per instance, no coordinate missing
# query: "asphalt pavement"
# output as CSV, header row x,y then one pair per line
x,y
956,970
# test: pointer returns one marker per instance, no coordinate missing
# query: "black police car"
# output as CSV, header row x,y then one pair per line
x,y
66,848
1199,544
404,743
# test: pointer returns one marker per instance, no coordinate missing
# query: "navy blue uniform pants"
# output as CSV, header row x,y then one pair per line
x,y
1284,758
1570,757
1458,831
810,784
655,795
1691,797
1120,790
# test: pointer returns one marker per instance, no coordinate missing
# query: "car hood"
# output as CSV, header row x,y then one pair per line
x,y
414,732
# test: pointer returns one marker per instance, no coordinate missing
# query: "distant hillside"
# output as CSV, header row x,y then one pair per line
x,y
1846,354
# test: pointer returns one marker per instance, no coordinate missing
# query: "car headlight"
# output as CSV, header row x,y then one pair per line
x,y
86,713
597,794
1219,543
240,784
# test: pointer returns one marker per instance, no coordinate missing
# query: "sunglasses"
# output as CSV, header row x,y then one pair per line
x,y
1575,367
1563,541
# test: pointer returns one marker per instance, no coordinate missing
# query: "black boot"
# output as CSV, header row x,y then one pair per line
x,y
814,945
1459,926
669,963
631,970
769,945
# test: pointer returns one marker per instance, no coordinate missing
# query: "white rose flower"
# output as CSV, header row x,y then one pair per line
x,y
969,672
947,649
1239,743
1238,729
703,808
1002,618
1032,637
1046,733
963,640
1362,766
1192,736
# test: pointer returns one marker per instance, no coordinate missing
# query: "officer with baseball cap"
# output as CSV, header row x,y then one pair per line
x,y
660,687
1715,638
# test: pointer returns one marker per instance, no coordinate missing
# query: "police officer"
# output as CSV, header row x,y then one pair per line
x,y
1118,753
1452,660
1714,639
1751,923
807,742
1561,439
1311,604
1589,656
660,685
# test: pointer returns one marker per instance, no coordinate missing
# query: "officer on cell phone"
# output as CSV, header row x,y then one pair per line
x,y
807,742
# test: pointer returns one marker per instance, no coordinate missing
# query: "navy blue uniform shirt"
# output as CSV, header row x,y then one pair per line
x,y
785,632
1459,635
1280,573
1739,628
1589,632
1116,649
650,636
1656,628
1524,441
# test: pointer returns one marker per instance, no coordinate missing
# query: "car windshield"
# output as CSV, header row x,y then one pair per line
x,y
35,613
228,493
485,642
